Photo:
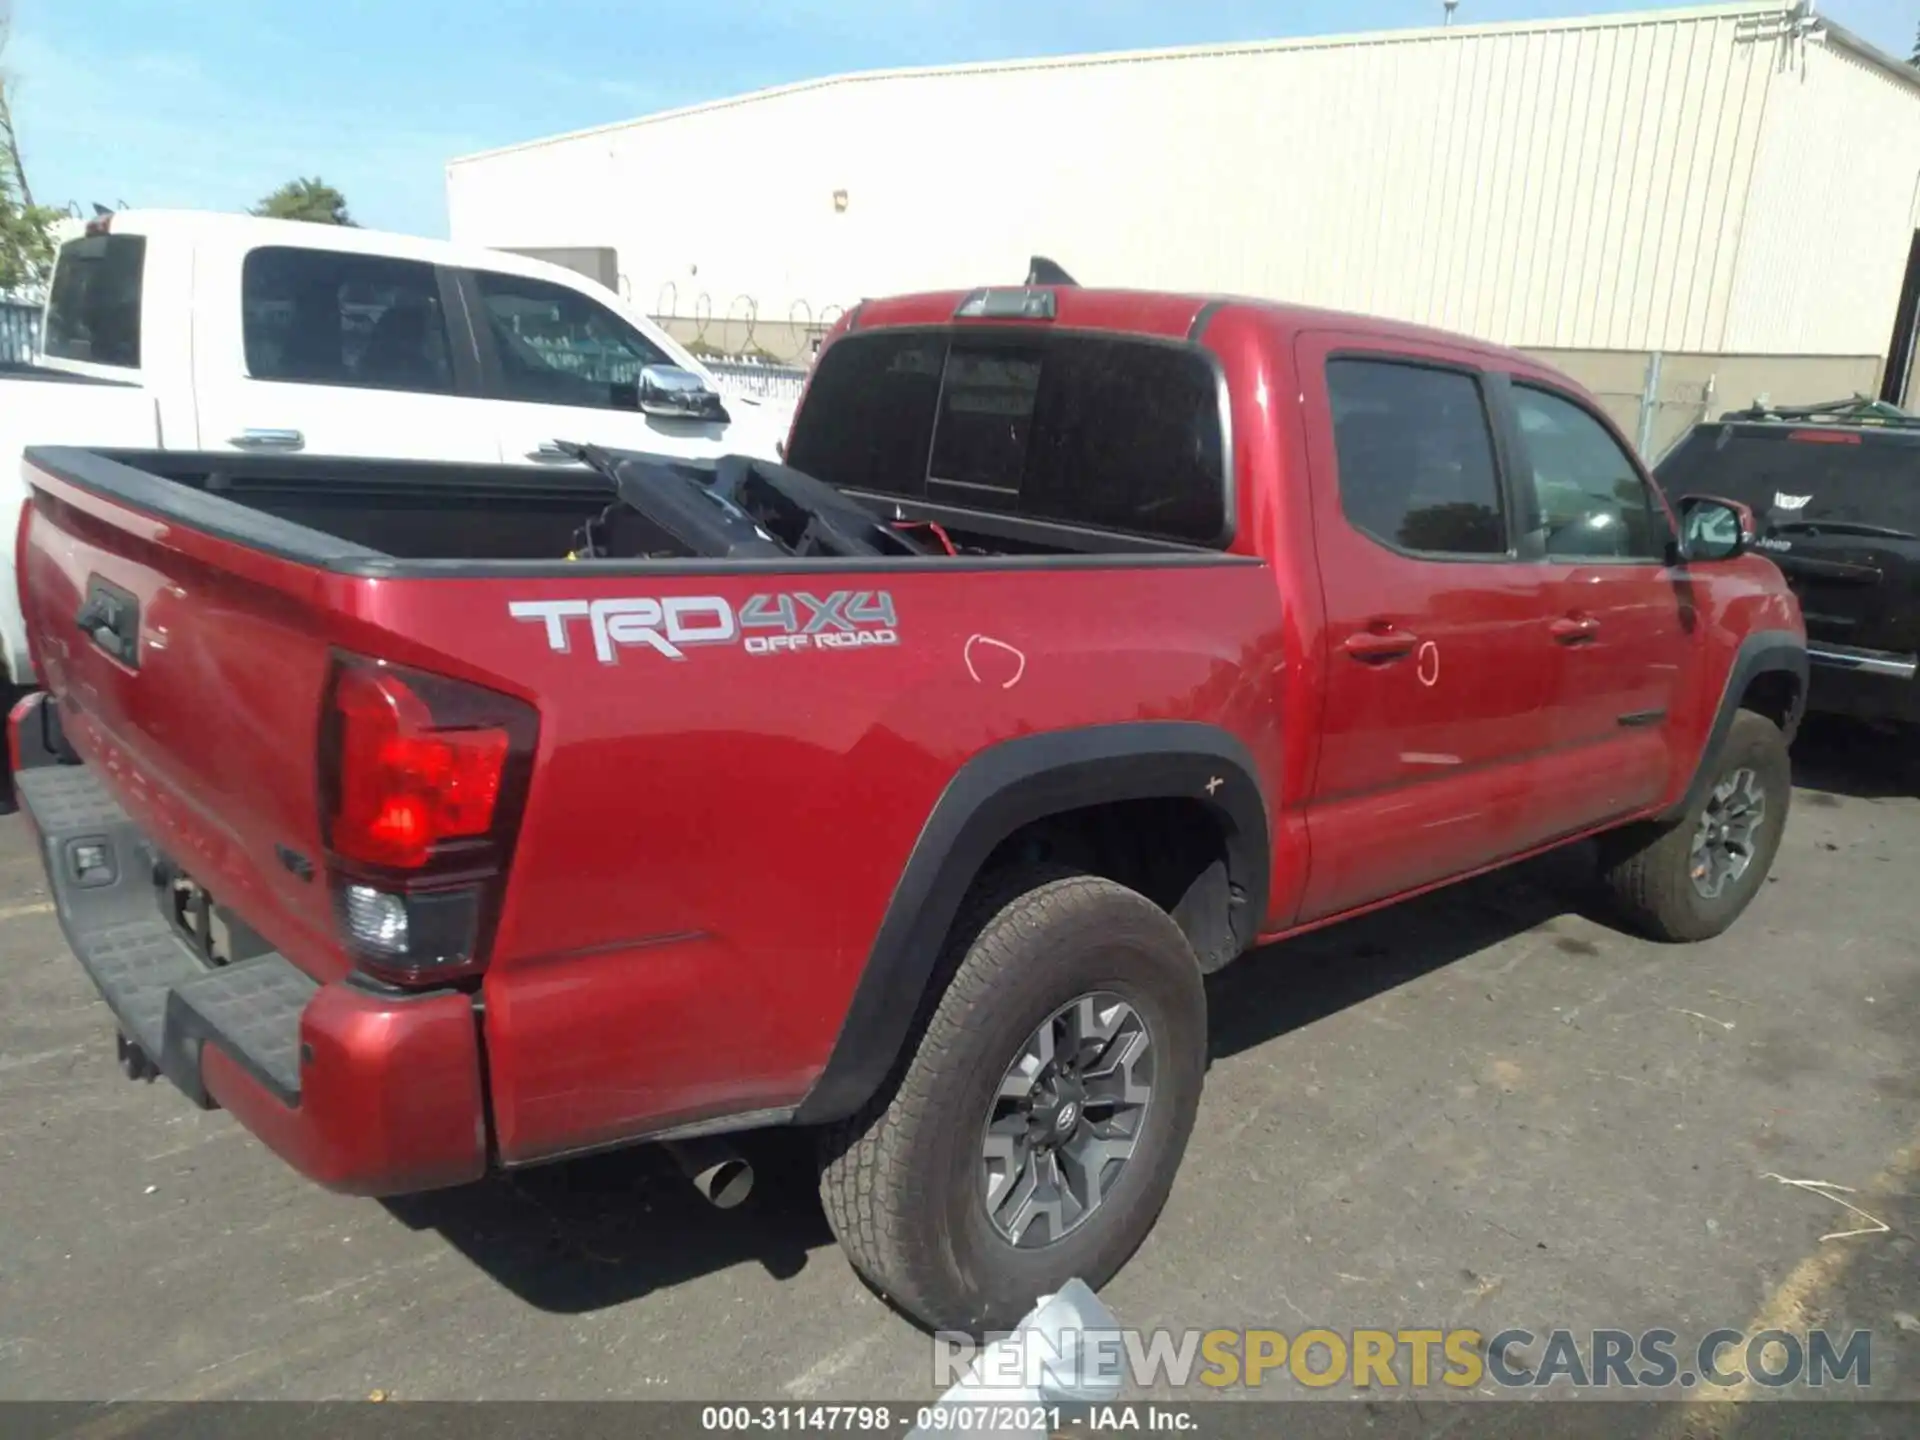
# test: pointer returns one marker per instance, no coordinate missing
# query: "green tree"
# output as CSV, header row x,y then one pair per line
x,y
26,229
26,246
312,200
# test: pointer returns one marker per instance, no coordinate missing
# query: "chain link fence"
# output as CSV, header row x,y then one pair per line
x,y
758,379
1658,414
1656,398
749,352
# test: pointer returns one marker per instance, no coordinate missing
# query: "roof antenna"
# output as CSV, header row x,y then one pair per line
x,y
1042,271
1452,5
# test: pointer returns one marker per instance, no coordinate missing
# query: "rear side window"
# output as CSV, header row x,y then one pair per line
x,y
1102,431
93,307
1415,453
322,317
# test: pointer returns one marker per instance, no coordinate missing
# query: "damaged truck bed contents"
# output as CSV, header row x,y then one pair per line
x,y
439,818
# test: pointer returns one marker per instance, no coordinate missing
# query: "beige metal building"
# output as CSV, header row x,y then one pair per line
x,y
1736,187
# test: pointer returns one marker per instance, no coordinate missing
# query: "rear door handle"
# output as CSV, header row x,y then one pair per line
x,y
1380,645
255,439
549,453
1574,629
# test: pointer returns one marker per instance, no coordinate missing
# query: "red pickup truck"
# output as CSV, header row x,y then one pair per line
x,y
433,818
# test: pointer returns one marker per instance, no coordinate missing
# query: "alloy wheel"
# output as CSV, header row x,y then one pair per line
x,y
1065,1119
1725,839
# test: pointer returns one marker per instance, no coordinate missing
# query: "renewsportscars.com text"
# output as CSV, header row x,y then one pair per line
x,y
1370,1359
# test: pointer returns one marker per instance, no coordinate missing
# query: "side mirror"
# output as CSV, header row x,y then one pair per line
x,y
1715,529
668,392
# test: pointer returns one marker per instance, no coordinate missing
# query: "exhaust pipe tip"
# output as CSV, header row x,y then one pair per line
x,y
721,1174
727,1184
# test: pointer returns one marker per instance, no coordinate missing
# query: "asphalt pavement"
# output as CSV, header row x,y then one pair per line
x,y
1486,1108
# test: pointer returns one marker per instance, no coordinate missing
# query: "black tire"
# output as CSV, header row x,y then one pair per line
x,y
1648,872
902,1181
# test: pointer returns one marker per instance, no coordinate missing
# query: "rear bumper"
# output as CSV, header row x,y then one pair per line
x,y
1866,684
367,1092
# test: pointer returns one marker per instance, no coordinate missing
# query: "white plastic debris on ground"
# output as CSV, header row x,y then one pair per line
x,y
1065,1352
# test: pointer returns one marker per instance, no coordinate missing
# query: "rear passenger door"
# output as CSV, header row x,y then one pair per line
x,y
334,352
1622,621
1436,730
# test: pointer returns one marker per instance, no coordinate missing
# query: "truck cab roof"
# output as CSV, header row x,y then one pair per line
x,y
1172,314
196,226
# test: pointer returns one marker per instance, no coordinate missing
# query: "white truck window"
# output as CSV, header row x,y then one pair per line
x,y
557,347
320,317
93,307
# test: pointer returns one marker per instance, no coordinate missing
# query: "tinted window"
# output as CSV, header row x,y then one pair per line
x,y
1416,457
1116,433
1129,436
320,317
1802,476
986,419
1590,500
867,420
557,347
93,309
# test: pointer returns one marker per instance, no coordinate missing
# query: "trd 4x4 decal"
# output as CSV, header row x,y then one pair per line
x,y
764,625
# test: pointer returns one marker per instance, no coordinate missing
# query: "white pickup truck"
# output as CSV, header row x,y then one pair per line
x,y
191,331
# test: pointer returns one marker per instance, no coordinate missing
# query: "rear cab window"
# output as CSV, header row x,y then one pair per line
x,y
93,305
1108,432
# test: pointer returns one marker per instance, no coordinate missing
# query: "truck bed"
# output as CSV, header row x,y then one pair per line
x,y
680,780
363,516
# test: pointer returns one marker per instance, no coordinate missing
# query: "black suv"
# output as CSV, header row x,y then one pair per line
x,y
1836,492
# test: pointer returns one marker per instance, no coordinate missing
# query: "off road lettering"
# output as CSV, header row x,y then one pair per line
x,y
785,623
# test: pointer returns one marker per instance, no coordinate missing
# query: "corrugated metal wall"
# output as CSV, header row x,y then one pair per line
x,y
1577,185
1832,211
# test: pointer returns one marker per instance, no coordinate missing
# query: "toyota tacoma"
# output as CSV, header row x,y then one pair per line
x,y
435,818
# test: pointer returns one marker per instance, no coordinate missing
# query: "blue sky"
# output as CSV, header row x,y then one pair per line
x,y
211,103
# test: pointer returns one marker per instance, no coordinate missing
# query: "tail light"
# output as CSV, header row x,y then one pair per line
x,y
422,781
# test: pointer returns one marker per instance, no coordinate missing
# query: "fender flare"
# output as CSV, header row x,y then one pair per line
x,y
997,792
1764,652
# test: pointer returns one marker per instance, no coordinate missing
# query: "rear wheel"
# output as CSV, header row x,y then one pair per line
x,y
1692,879
1034,1135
